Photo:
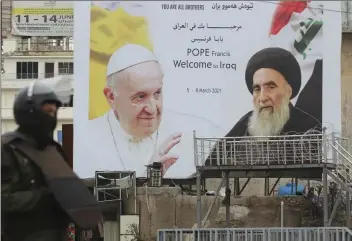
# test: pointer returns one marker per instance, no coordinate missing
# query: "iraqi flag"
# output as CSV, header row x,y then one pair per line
x,y
298,27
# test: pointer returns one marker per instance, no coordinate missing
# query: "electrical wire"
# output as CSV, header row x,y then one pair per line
x,y
309,7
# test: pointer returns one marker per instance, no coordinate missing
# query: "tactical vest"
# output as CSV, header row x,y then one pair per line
x,y
70,192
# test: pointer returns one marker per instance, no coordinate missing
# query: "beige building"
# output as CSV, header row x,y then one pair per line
x,y
28,59
25,60
346,69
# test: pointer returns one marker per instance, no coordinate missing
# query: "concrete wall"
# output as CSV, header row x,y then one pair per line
x,y
162,208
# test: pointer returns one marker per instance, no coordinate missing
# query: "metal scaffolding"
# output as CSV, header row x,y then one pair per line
x,y
312,156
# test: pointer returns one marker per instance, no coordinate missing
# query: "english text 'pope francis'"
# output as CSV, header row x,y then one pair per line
x,y
137,130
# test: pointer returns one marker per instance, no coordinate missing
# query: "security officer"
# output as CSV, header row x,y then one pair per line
x,y
40,194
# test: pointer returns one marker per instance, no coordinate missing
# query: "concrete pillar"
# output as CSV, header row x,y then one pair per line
x,y
111,231
236,186
266,186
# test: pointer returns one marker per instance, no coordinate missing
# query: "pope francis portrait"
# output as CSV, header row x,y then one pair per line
x,y
138,130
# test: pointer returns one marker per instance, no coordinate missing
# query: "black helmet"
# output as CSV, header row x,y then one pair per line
x,y
28,111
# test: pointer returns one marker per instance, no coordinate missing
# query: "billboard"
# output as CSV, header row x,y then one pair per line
x,y
42,18
149,73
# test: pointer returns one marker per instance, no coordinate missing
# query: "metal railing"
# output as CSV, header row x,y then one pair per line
x,y
51,45
30,76
343,161
109,186
289,149
256,234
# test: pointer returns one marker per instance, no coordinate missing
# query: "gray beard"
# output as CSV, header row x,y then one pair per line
x,y
267,123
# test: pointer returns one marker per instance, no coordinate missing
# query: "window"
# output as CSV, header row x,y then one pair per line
x,y
59,137
70,103
66,68
56,40
55,37
27,70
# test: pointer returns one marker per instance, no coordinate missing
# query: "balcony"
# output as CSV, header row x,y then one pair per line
x,y
38,46
31,76
21,80
65,113
50,45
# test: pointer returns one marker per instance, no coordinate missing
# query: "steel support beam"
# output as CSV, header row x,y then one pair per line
x,y
266,186
199,200
273,188
227,196
244,186
236,187
214,200
348,209
334,209
325,197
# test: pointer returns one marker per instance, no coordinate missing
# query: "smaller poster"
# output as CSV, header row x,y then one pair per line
x,y
42,18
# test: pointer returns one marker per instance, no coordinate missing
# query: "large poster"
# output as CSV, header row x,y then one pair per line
x,y
150,74
42,18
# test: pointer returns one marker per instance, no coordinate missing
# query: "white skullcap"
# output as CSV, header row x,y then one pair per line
x,y
127,56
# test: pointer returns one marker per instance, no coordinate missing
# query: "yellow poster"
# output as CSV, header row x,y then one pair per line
x,y
110,30
42,18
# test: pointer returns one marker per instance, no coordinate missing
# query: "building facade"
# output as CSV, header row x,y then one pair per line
x,y
26,59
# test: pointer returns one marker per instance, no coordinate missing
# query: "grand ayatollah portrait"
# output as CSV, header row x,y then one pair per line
x,y
273,77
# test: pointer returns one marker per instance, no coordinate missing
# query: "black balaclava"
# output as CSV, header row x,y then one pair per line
x,y
29,114
40,126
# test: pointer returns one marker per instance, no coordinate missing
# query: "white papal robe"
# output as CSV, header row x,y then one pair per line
x,y
110,148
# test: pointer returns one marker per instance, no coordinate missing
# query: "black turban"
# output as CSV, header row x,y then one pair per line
x,y
278,59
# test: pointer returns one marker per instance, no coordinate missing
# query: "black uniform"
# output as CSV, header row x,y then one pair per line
x,y
40,194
